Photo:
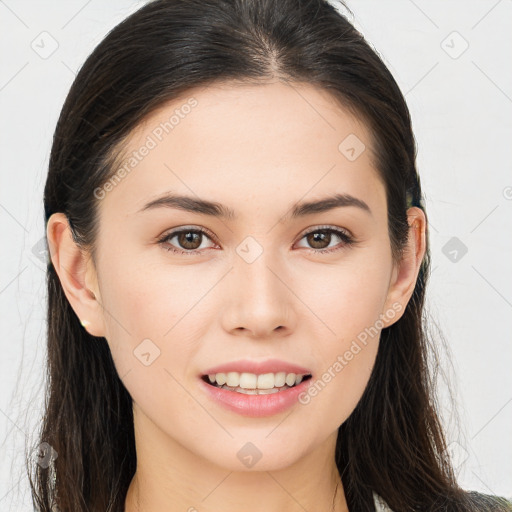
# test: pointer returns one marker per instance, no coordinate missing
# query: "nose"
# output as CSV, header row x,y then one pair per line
x,y
260,302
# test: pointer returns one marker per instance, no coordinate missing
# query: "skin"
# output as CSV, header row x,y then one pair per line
x,y
257,149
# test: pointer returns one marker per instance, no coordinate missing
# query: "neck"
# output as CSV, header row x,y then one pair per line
x,y
170,478
138,500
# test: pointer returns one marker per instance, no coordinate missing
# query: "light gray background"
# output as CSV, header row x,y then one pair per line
x,y
461,104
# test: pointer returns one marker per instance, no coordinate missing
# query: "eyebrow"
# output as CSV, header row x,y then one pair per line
x,y
215,209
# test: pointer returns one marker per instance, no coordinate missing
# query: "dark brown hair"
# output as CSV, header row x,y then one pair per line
x,y
392,443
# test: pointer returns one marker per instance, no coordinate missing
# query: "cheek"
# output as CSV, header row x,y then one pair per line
x,y
156,323
351,306
347,361
147,313
142,312
350,296
334,394
148,300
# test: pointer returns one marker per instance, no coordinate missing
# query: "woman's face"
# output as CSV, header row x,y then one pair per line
x,y
256,286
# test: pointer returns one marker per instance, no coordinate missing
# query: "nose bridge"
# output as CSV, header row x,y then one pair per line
x,y
260,299
257,275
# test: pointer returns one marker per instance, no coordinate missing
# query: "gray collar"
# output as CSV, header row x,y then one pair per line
x,y
380,504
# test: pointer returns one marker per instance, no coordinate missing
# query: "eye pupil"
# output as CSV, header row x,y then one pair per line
x,y
187,237
319,236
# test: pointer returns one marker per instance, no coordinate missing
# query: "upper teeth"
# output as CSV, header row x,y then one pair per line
x,y
253,381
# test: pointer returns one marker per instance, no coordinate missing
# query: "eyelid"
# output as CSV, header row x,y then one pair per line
x,y
178,230
311,229
163,239
327,226
341,232
348,239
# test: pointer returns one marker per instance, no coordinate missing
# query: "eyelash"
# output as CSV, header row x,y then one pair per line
x,y
347,239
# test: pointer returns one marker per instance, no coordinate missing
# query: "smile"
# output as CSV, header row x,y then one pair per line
x,y
254,384
255,395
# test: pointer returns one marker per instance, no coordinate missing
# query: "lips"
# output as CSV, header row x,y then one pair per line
x,y
272,401
258,367
259,405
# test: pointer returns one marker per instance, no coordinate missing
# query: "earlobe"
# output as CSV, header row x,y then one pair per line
x,y
72,265
405,274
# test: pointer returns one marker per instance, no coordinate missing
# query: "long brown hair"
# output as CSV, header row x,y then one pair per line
x,y
392,443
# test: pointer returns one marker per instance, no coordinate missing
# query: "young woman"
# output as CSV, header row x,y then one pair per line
x,y
239,255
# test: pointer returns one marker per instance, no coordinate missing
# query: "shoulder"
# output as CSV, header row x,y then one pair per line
x,y
490,502
478,502
380,504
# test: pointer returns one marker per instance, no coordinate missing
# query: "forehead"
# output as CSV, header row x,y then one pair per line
x,y
238,143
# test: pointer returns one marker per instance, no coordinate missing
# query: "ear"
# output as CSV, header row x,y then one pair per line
x,y
76,273
405,272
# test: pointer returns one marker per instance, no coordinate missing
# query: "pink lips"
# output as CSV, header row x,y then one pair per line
x,y
256,405
267,366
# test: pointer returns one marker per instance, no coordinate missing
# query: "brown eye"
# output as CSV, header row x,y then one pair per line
x,y
320,239
188,241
